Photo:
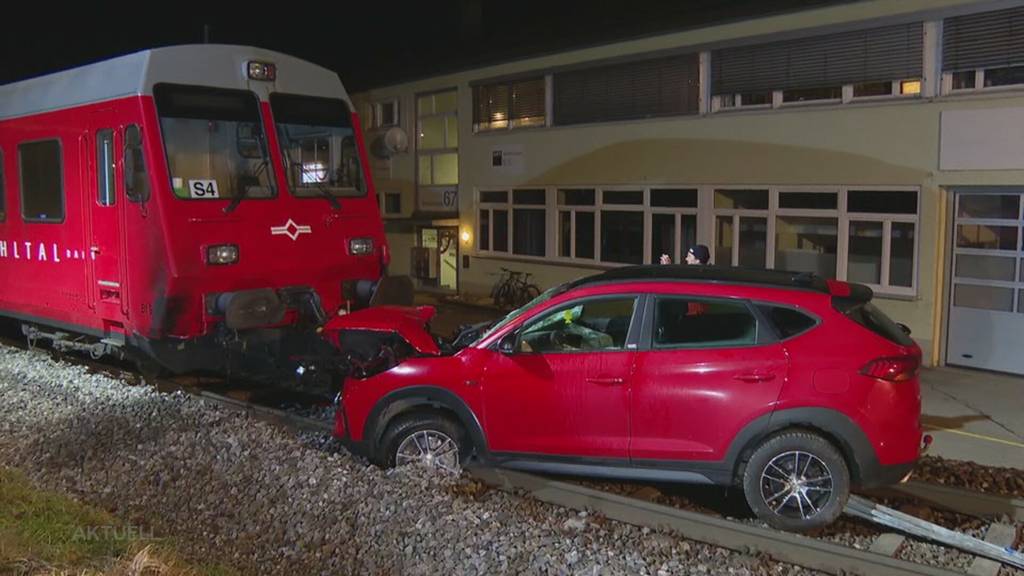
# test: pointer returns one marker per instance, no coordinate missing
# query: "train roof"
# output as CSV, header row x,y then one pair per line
x,y
214,65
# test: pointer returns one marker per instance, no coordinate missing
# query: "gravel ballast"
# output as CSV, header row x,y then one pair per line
x,y
243,492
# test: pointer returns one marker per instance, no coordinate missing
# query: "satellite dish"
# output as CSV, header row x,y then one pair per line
x,y
393,141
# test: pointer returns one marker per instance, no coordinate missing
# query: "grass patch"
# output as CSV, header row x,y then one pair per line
x,y
48,533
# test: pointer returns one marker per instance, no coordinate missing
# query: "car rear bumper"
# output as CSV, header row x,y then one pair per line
x,y
877,475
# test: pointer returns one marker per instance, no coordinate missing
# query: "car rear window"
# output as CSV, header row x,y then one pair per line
x,y
787,322
870,317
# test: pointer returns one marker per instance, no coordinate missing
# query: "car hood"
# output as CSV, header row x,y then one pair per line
x,y
411,323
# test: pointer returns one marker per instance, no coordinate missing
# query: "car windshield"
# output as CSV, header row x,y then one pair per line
x,y
511,316
215,142
318,145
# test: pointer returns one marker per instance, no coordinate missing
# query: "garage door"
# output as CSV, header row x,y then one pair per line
x,y
986,318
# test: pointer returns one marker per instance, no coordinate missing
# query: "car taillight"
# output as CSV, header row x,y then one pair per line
x,y
893,369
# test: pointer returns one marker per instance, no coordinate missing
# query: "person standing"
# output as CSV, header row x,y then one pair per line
x,y
697,254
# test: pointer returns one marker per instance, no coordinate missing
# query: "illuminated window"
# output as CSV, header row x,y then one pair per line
x,y
313,172
510,104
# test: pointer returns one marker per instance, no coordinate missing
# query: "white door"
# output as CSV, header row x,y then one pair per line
x,y
986,317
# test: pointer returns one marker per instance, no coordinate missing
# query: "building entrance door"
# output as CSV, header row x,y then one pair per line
x,y
439,247
986,316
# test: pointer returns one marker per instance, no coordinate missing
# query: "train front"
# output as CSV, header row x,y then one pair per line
x,y
270,221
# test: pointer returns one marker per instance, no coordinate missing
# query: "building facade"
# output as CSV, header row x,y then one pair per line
x,y
879,142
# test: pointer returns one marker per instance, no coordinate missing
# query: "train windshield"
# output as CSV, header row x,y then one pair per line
x,y
215,142
318,146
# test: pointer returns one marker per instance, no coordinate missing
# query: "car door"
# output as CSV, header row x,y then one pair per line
x,y
706,368
561,387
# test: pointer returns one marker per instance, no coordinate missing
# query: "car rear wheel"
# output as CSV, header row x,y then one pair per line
x,y
796,481
425,439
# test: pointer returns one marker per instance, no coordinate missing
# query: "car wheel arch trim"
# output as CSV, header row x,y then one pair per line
x,y
403,400
832,425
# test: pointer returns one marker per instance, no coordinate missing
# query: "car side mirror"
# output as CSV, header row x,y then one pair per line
x,y
904,327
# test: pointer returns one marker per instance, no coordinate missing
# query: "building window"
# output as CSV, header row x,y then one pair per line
x,y
747,100
983,50
807,244
391,203
866,236
887,89
42,181
437,139
529,222
673,227
622,226
576,223
527,234
517,104
828,93
834,68
650,88
493,225
385,113
850,233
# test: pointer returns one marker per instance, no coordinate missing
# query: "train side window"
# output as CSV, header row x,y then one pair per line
x,y
3,190
136,181
42,181
105,164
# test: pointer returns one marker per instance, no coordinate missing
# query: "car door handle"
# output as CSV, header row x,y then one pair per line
x,y
755,377
609,381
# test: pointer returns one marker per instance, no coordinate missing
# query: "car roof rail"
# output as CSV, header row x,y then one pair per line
x,y
722,274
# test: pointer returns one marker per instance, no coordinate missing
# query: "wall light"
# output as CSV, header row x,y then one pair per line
x,y
466,236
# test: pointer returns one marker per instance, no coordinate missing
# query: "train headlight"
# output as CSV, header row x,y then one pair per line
x,y
222,254
262,70
360,246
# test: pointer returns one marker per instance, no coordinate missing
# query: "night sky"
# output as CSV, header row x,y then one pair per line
x,y
370,43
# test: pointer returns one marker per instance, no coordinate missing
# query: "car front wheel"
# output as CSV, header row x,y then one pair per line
x,y
796,481
425,439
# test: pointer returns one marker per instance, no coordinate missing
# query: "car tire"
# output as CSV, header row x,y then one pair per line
x,y
796,481
425,438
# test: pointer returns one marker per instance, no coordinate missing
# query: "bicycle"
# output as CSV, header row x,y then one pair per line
x,y
513,289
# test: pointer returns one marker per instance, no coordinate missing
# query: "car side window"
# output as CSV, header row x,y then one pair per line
x,y
684,322
787,322
584,325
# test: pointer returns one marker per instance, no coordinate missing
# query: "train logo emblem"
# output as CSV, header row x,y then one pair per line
x,y
290,229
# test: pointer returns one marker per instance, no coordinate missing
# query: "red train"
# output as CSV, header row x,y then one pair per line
x,y
203,207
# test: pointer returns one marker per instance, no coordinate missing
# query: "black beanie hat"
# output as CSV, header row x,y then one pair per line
x,y
701,252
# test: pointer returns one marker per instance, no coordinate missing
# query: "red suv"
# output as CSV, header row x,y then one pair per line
x,y
793,387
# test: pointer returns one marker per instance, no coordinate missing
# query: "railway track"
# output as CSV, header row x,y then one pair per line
x,y
808,552
743,537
